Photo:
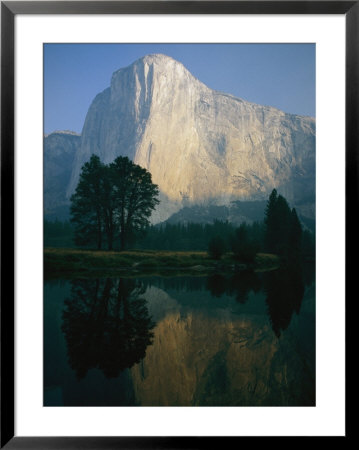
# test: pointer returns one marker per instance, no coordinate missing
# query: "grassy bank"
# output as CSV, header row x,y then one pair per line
x,y
58,261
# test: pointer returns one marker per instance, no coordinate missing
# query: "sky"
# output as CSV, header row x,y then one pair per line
x,y
279,75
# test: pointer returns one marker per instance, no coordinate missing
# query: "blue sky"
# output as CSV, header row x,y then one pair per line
x,y
279,75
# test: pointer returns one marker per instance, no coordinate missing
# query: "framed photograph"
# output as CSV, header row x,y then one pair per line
x,y
174,183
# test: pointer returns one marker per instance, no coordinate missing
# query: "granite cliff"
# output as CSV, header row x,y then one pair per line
x,y
201,146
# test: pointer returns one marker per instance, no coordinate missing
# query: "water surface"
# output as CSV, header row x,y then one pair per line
x,y
245,339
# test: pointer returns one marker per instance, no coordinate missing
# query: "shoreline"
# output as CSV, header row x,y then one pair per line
x,y
62,262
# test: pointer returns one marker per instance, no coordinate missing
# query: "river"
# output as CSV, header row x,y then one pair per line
x,y
245,339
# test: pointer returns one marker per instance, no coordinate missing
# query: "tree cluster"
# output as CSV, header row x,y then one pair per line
x,y
112,203
245,243
280,233
184,236
216,247
58,234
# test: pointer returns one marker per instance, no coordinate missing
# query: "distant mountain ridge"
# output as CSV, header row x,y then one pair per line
x,y
203,147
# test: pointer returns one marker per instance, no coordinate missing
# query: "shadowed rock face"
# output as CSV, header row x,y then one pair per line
x,y
60,148
200,145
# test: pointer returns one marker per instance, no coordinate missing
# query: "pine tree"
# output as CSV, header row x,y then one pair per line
x,y
283,221
295,234
243,246
271,222
216,247
283,231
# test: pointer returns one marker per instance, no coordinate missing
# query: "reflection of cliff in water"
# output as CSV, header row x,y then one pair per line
x,y
236,339
198,360
284,289
233,353
106,325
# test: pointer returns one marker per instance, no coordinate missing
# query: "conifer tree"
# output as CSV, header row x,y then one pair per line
x,y
295,234
216,247
271,221
283,228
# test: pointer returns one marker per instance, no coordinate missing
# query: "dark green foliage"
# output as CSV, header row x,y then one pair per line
x,y
184,237
86,205
134,196
308,244
283,215
243,245
283,230
280,233
216,247
108,207
112,202
277,221
271,221
58,234
196,236
295,234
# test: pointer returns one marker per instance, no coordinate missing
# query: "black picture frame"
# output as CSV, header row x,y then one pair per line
x,y
9,9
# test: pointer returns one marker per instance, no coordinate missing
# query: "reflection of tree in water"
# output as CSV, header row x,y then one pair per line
x,y
182,283
244,282
239,285
106,325
217,284
285,289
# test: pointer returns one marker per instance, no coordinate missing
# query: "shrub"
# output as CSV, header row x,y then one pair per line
x,y
216,248
243,247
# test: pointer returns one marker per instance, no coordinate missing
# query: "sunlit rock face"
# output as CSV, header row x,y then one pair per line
x,y
60,148
200,145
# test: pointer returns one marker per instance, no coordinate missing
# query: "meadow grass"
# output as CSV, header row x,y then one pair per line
x,y
63,260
